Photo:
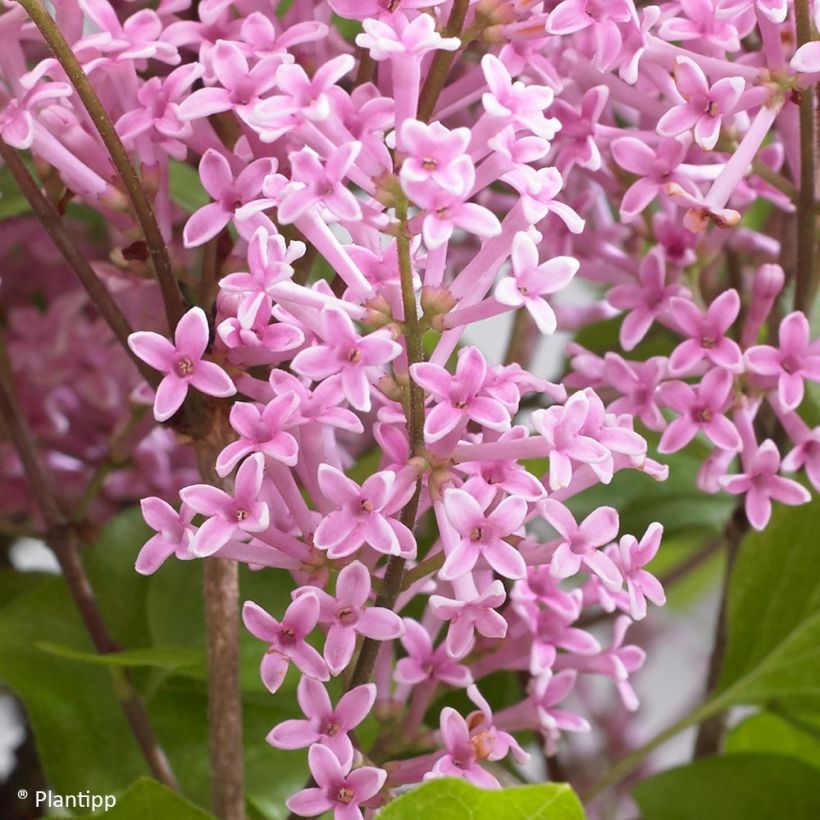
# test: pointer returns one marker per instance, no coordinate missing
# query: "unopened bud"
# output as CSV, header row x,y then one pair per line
x,y
768,281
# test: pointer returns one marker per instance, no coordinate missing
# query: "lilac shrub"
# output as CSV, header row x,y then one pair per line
x,y
377,179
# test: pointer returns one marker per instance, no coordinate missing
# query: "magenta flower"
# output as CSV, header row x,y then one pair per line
x,y
482,535
424,663
364,515
348,616
700,408
314,183
554,689
578,543
797,358
707,334
324,724
562,427
446,209
646,300
537,189
239,86
357,359
522,103
638,382
319,404
461,756
182,363
761,483
631,556
602,17
530,281
173,534
228,514
337,787
261,431
286,640
468,616
398,36
705,106
458,396
431,154
230,194
657,168
270,261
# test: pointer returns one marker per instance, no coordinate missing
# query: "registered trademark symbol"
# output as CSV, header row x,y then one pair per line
x,y
22,794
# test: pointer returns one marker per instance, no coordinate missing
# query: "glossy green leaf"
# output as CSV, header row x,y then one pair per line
x,y
781,734
148,800
453,799
162,657
735,787
774,613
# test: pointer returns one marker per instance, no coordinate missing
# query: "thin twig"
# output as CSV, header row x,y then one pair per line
x,y
171,296
442,63
710,732
62,537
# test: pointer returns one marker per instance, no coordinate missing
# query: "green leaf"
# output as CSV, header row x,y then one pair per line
x,y
735,787
185,187
148,800
163,657
81,735
453,799
773,646
768,732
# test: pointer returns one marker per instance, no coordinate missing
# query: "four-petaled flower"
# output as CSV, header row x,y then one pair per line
x,y
182,363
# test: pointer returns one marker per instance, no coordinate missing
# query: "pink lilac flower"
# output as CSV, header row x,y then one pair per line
x,y
638,383
182,363
347,615
239,86
261,431
552,689
445,210
431,154
700,408
173,534
399,36
315,182
230,194
530,281
707,334
458,396
461,758
795,359
705,106
364,515
761,483
325,724
630,556
337,786
286,640
228,515
538,189
356,358
270,261
423,662
482,534
656,169
468,616
646,300
561,427
578,543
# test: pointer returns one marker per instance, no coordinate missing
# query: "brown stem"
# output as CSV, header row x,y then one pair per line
x,y
442,63
62,538
710,732
221,599
54,227
806,274
171,296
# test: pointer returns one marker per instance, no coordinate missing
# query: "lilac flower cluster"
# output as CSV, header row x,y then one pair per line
x,y
455,162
